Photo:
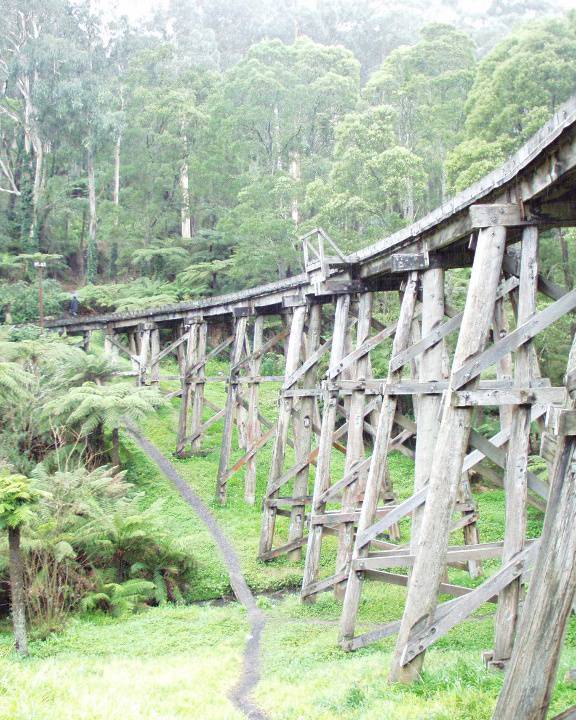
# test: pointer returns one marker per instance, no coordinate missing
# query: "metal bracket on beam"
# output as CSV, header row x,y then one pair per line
x,y
192,319
342,287
147,326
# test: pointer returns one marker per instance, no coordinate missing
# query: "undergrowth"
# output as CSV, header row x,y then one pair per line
x,y
179,662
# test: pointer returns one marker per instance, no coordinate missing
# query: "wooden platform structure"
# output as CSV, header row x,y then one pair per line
x,y
445,366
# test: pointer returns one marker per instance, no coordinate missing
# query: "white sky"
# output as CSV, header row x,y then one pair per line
x,y
138,8
132,8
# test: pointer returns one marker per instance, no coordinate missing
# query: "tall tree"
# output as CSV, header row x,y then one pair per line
x,y
427,85
375,185
518,86
278,109
16,498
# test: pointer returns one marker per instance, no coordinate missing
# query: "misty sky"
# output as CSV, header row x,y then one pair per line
x,y
138,8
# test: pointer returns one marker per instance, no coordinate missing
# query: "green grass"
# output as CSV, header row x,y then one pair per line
x,y
179,662
166,663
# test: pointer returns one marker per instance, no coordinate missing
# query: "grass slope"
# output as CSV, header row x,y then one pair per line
x,y
179,662
164,664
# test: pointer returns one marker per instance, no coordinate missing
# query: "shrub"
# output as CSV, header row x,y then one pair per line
x,y
91,545
19,300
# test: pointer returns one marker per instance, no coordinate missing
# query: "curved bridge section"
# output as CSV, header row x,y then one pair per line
x,y
446,365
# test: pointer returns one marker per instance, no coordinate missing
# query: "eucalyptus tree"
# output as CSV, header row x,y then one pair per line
x,y
375,185
517,87
273,121
84,103
28,71
165,134
427,85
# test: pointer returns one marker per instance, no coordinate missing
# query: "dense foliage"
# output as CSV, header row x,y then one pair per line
x,y
88,539
188,152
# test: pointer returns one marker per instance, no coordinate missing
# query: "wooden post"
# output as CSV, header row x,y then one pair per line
x,y
415,336
515,480
154,352
241,410
231,405
252,424
355,441
379,462
198,384
108,342
303,423
501,328
86,336
144,354
283,423
133,348
322,478
186,382
387,490
470,529
431,368
452,441
286,318
531,673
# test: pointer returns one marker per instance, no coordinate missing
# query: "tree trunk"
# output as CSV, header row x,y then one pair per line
x,y
18,605
277,145
185,208
117,148
91,259
185,192
32,141
36,189
81,253
116,201
295,175
115,447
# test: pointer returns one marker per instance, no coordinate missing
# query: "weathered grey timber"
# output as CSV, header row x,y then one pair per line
x,y
197,384
452,441
281,440
532,668
378,466
231,406
303,431
355,441
322,479
431,368
253,426
515,477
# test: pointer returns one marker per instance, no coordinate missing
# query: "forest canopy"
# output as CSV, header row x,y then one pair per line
x,y
183,155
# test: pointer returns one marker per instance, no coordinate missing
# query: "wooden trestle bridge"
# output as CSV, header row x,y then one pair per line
x,y
425,406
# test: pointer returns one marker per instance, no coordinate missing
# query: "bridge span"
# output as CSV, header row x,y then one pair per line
x,y
446,365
